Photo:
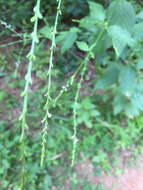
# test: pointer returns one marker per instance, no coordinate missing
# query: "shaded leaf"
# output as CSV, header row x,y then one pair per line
x,y
119,103
140,15
137,100
140,63
138,31
122,13
67,39
97,11
127,80
109,78
120,38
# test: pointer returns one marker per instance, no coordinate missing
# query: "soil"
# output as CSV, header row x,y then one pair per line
x,y
130,178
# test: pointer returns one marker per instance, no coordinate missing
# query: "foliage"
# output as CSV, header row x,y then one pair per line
x,y
93,91
121,74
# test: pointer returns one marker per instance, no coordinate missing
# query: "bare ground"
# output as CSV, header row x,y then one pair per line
x,y
131,177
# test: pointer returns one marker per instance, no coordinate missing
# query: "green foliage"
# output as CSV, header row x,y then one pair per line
x,y
123,78
118,11
90,68
67,39
86,112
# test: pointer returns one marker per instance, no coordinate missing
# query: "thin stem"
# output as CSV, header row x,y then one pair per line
x,y
28,79
48,115
14,42
68,84
84,63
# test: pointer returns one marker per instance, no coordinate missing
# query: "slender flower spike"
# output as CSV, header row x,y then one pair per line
x,y
48,115
84,63
31,58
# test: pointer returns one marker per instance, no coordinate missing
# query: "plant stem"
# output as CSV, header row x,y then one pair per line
x,y
84,63
28,79
48,115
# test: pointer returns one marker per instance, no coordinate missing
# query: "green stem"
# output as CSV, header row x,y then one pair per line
x,y
84,63
31,57
48,115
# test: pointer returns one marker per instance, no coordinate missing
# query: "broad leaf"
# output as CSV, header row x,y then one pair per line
x,y
46,32
138,31
140,63
140,15
119,103
127,80
109,78
67,39
120,38
97,11
103,44
137,100
88,24
131,110
122,13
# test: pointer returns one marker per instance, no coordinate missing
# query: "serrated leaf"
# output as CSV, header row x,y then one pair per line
x,y
122,13
120,38
82,46
97,11
127,80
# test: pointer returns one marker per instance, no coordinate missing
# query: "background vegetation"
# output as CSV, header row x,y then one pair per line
x,y
96,89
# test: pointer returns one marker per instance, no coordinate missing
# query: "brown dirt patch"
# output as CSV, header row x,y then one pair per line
x,y
131,177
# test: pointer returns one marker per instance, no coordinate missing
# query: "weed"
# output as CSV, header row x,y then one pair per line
x,y
31,57
48,114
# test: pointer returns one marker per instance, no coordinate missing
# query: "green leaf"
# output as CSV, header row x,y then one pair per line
x,y
119,103
137,100
132,101
96,15
103,44
138,31
120,38
109,78
140,15
122,13
88,24
46,32
82,46
127,80
67,39
132,110
140,63
97,11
